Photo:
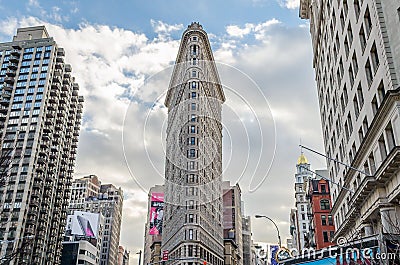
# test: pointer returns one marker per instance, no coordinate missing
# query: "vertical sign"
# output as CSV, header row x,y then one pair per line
x,y
273,250
165,255
156,213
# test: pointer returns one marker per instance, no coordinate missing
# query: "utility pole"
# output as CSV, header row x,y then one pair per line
x,y
140,256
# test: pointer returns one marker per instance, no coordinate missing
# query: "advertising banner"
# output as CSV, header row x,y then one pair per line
x,y
84,224
156,213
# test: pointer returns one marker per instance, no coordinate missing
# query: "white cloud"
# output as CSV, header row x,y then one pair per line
x,y
163,29
111,65
291,4
236,31
34,3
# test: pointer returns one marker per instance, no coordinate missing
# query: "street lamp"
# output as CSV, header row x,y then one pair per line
x,y
140,255
277,229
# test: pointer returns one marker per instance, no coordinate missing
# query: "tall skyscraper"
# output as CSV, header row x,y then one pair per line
x,y
152,231
89,195
247,241
40,114
357,67
193,193
300,215
232,223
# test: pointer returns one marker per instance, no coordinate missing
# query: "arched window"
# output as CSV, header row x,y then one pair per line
x,y
325,205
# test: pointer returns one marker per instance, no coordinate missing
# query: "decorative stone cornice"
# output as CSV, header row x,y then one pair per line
x,y
194,27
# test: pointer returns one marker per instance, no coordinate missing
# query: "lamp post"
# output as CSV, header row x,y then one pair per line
x,y
140,255
277,229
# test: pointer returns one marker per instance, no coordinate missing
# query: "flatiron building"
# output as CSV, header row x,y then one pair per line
x,y
193,225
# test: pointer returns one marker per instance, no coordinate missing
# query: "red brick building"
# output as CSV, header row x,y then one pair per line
x,y
322,225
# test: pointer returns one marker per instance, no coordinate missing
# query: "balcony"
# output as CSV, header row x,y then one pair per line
x,y
59,66
6,94
65,87
57,79
16,51
60,60
14,58
4,102
68,68
9,80
30,231
56,86
58,73
13,66
10,73
7,87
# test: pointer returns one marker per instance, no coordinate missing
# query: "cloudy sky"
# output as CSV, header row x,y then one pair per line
x,y
122,53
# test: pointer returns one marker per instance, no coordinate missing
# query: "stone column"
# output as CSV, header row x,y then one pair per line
x,y
389,219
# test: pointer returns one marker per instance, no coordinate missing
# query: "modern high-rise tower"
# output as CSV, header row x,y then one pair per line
x,y
40,114
301,213
193,229
356,48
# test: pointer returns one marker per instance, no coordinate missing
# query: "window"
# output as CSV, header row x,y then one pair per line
x,y
194,94
374,58
302,207
382,147
194,73
356,109
374,104
192,129
304,226
357,8
330,220
363,41
194,62
194,84
325,234
192,153
325,204
323,219
193,118
190,234
303,216
323,189
368,72
360,96
193,106
381,92
355,63
367,21
192,140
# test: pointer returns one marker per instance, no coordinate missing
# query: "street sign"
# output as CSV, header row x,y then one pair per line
x,y
165,255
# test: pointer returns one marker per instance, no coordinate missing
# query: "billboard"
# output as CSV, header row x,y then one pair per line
x,y
273,250
83,224
156,213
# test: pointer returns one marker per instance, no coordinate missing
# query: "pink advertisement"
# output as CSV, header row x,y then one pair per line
x,y
156,213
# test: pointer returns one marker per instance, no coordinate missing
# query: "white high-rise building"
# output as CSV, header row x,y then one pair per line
x,y
356,48
40,117
300,215
88,194
193,171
